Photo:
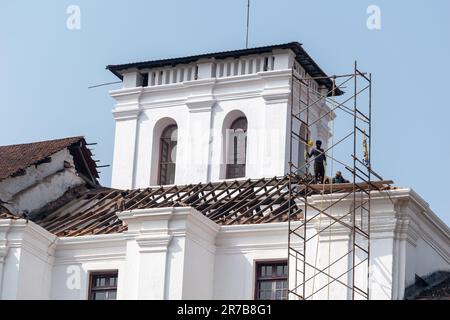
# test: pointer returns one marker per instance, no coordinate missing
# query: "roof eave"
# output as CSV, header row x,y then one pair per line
x,y
296,47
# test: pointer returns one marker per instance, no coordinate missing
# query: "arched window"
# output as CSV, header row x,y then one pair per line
x,y
167,155
236,148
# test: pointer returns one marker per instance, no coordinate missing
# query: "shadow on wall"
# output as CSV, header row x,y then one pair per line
x,y
386,277
175,249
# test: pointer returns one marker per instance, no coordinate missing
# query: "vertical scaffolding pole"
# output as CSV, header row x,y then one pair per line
x,y
337,274
355,81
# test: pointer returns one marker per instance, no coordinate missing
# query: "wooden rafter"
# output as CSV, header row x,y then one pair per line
x,y
228,202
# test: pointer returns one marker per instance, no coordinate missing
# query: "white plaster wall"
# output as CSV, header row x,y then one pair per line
x,y
26,267
382,262
199,108
40,185
238,250
427,242
124,150
175,269
390,257
170,254
190,264
10,276
176,253
35,276
254,110
75,258
423,260
146,170
198,271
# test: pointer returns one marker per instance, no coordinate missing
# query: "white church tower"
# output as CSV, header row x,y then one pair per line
x,y
210,117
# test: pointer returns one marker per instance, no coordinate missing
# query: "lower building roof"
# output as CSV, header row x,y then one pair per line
x,y
249,201
14,159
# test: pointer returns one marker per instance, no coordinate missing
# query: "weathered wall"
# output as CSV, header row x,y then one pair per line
x,y
40,185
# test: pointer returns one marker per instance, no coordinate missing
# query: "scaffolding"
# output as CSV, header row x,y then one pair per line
x,y
316,272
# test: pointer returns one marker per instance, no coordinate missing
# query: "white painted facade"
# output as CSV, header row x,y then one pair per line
x,y
203,108
177,253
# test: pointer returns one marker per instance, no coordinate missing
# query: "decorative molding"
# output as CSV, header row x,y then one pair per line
x,y
169,222
167,103
154,243
126,92
91,241
232,86
412,235
83,258
276,95
121,113
147,214
202,103
247,248
30,237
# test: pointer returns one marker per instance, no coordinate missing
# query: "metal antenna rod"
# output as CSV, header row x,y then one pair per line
x,y
104,84
248,23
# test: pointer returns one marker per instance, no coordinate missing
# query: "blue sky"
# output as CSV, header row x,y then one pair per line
x,y
46,68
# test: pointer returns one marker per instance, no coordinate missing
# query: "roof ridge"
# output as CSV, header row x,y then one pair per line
x,y
301,56
291,43
42,141
17,157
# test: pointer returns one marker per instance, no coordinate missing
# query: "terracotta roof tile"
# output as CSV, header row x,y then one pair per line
x,y
14,158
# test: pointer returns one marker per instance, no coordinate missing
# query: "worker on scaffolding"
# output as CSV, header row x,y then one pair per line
x,y
339,178
320,161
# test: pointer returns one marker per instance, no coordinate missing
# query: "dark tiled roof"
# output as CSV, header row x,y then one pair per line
x,y
440,291
5,214
226,203
16,158
311,67
435,286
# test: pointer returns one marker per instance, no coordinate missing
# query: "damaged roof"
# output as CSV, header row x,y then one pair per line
x,y
14,159
435,286
302,57
226,203
5,214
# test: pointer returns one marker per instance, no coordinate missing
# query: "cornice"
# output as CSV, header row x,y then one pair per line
x,y
80,258
203,103
132,96
91,241
249,229
153,243
246,248
276,95
126,93
131,112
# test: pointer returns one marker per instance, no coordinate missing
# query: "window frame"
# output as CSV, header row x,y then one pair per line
x,y
171,145
237,167
93,274
258,264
